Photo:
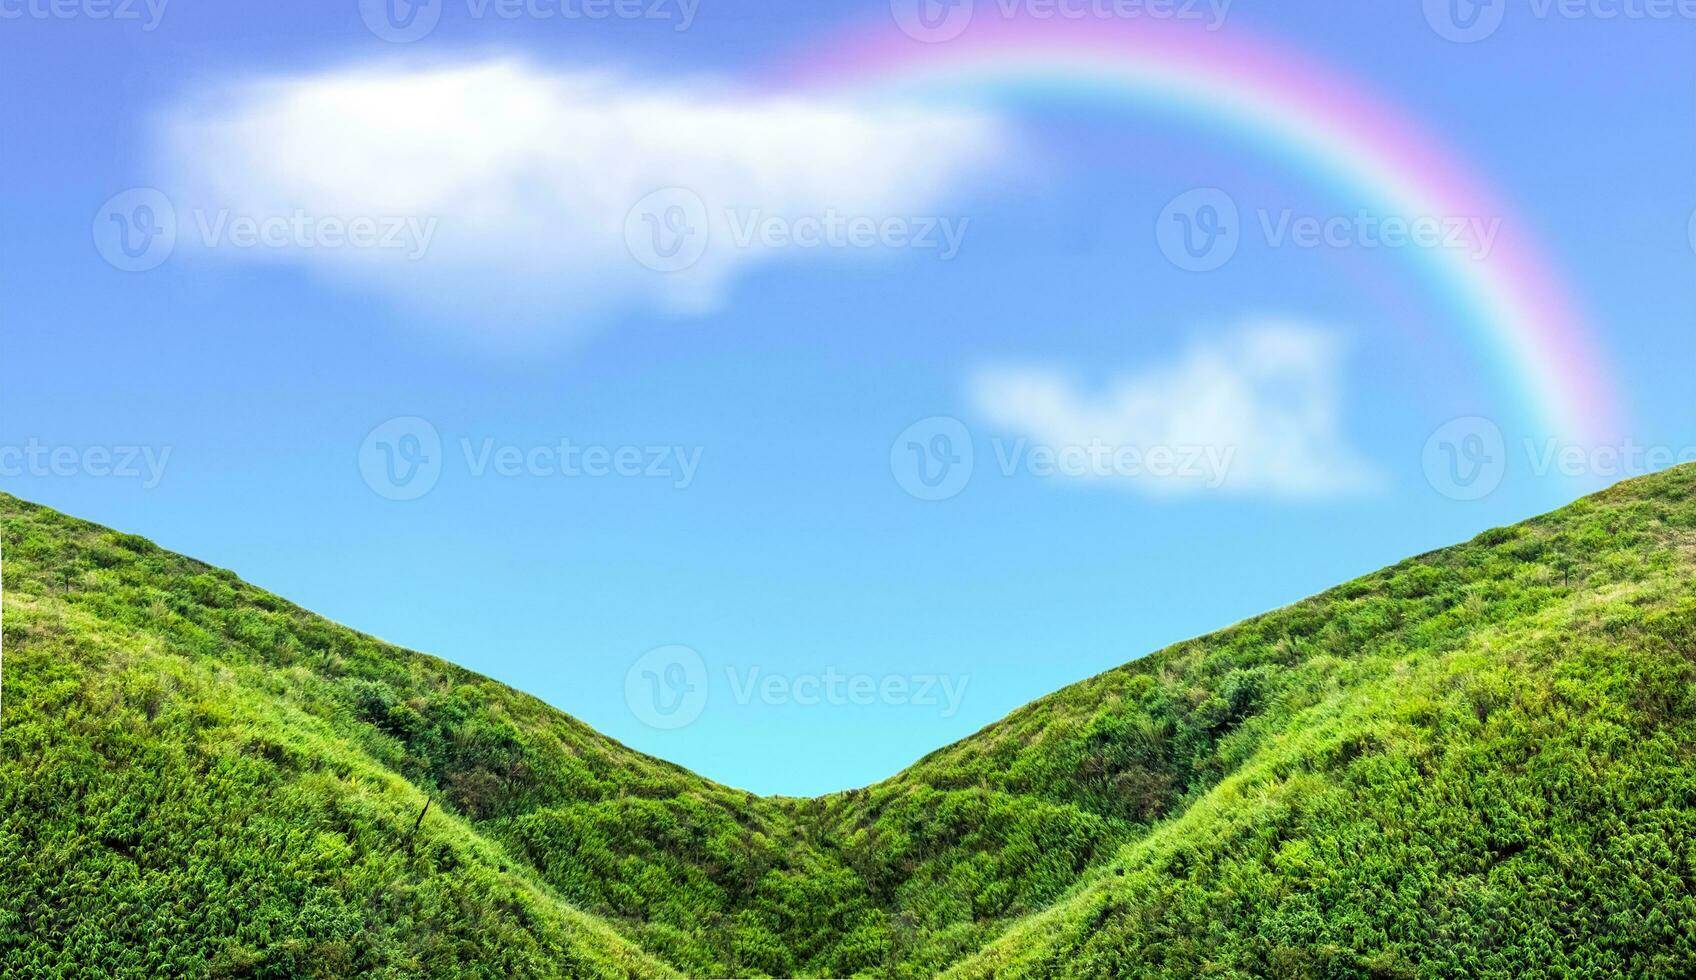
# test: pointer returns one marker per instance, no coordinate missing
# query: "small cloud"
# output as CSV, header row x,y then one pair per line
x,y
546,195
1254,412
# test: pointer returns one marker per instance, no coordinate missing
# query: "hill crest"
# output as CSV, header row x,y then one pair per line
x,y
203,779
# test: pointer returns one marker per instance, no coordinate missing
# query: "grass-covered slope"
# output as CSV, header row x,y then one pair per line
x,y
1474,763
201,779
190,786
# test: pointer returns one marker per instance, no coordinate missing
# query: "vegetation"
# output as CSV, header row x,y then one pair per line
x,y
1477,762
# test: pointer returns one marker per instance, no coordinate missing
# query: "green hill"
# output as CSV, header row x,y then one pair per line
x,y
1477,762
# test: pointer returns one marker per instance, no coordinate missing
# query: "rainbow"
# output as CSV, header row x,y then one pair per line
x,y
1511,300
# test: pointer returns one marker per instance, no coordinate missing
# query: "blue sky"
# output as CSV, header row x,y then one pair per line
x,y
759,516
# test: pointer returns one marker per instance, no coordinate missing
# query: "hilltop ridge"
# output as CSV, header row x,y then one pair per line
x,y
1476,761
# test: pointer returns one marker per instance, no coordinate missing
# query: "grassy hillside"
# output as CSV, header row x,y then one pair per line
x,y
1476,763
199,778
1473,763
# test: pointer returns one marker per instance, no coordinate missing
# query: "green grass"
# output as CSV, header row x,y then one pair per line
x,y
1477,762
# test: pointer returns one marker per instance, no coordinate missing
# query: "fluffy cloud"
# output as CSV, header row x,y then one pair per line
x,y
536,189
1255,411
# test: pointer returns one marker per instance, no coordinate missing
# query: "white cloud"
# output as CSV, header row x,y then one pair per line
x,y
527,178
1255,411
